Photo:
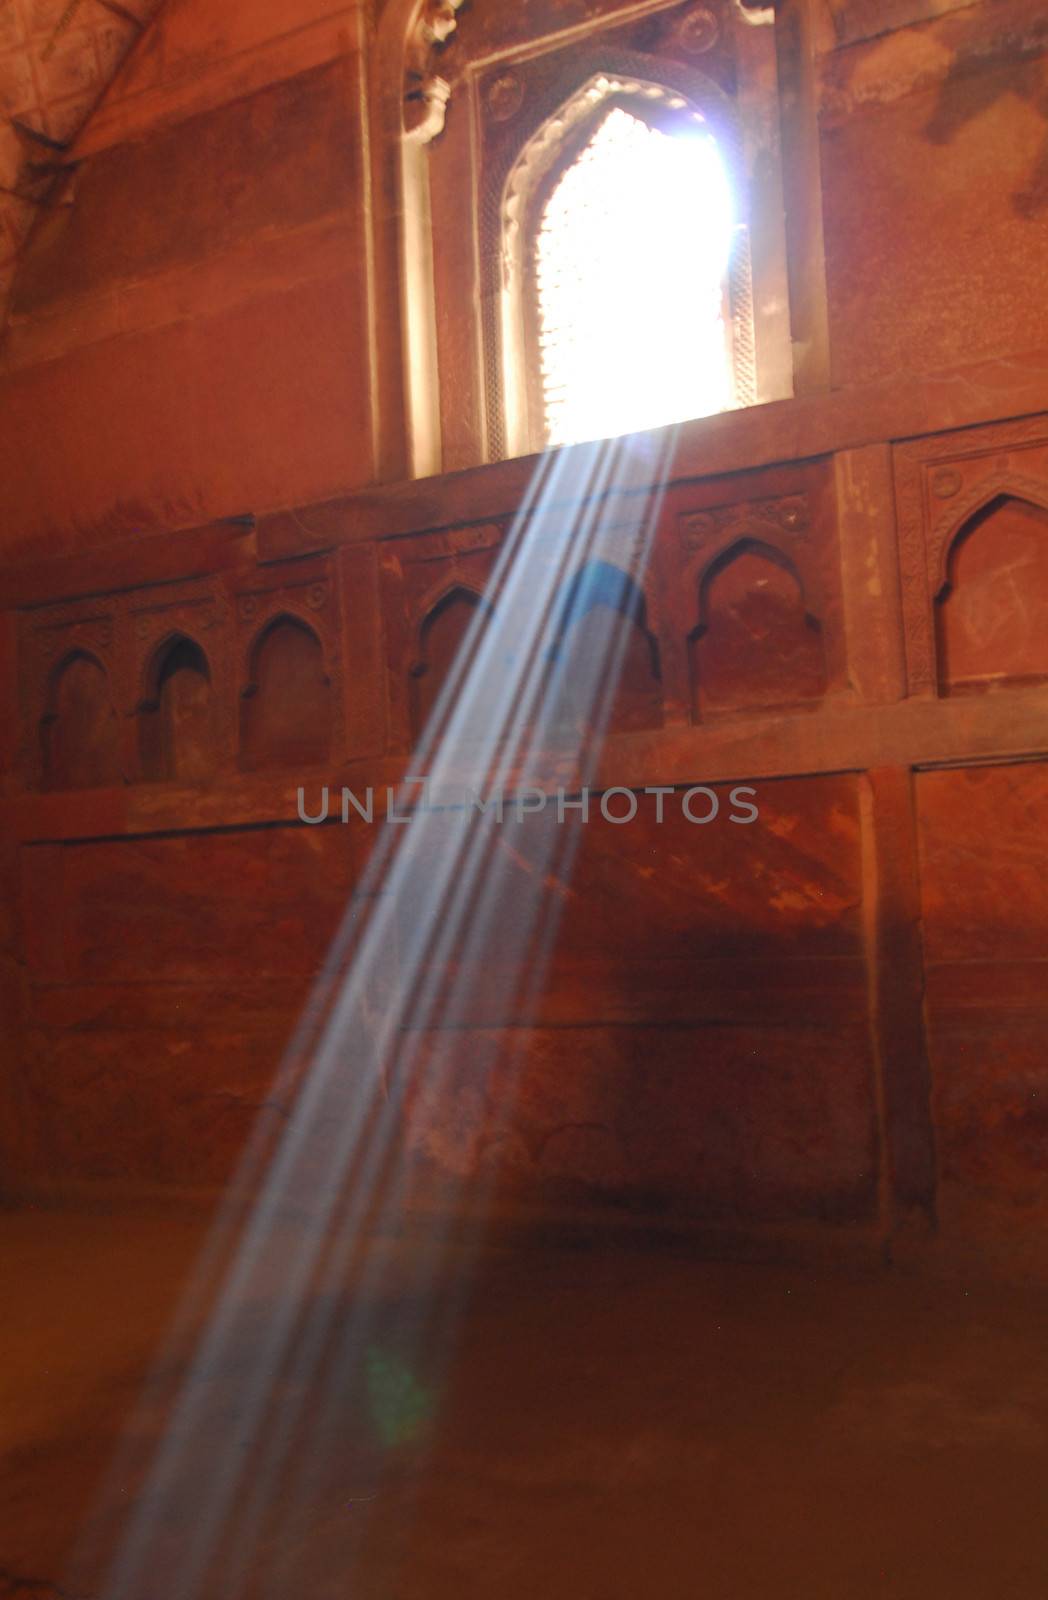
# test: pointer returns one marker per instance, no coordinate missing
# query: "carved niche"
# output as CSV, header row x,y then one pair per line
x,y
972,511
594,579
565,615
755,586
437,593
71,689
80,730
455,622
159,683
605,668
125,636
290,671
182,661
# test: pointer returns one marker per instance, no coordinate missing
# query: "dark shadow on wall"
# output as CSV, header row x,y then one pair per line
x,y
973,84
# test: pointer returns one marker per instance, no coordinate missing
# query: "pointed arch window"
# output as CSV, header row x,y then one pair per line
x,y
629,295
628,280
604,249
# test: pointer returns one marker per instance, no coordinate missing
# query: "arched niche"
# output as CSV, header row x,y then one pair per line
x,y
459,615
756,645
990,614
286,710
176,731
605,669
80,731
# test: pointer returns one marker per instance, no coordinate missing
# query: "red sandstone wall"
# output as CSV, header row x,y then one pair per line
x,y
836,1015
935,189
194,329
186,960
693,1046
700,1042
986,937
188,339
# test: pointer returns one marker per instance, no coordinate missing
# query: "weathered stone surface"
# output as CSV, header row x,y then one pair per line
x,y
727,1020
991,618
986,943
738,1123
929,184
168,974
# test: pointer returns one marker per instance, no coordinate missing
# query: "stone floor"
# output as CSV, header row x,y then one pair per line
x,y
611,1423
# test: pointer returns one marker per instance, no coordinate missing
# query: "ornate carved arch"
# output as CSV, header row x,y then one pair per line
x,y
635,611
752,543
781,526
280,614
57,670
949,527
548,136
623,77
436,597
50,718
941,484
163,754
429,666
735,668
285,716
153,662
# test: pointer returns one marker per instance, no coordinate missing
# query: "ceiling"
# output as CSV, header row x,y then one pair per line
x,y
57,57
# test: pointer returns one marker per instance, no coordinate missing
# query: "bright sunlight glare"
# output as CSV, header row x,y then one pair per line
x,y
631,257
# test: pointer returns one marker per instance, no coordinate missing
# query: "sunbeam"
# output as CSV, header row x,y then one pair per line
x,y
445,891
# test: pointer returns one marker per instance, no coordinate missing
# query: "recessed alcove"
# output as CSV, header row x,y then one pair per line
x,y
443,633
990,617
80,732
176,723
605,670
286,710
756,645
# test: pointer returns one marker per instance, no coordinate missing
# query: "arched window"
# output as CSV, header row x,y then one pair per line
x,y
593,241
629,298
628,279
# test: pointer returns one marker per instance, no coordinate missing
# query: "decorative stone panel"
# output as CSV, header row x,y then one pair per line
x,y
940,484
